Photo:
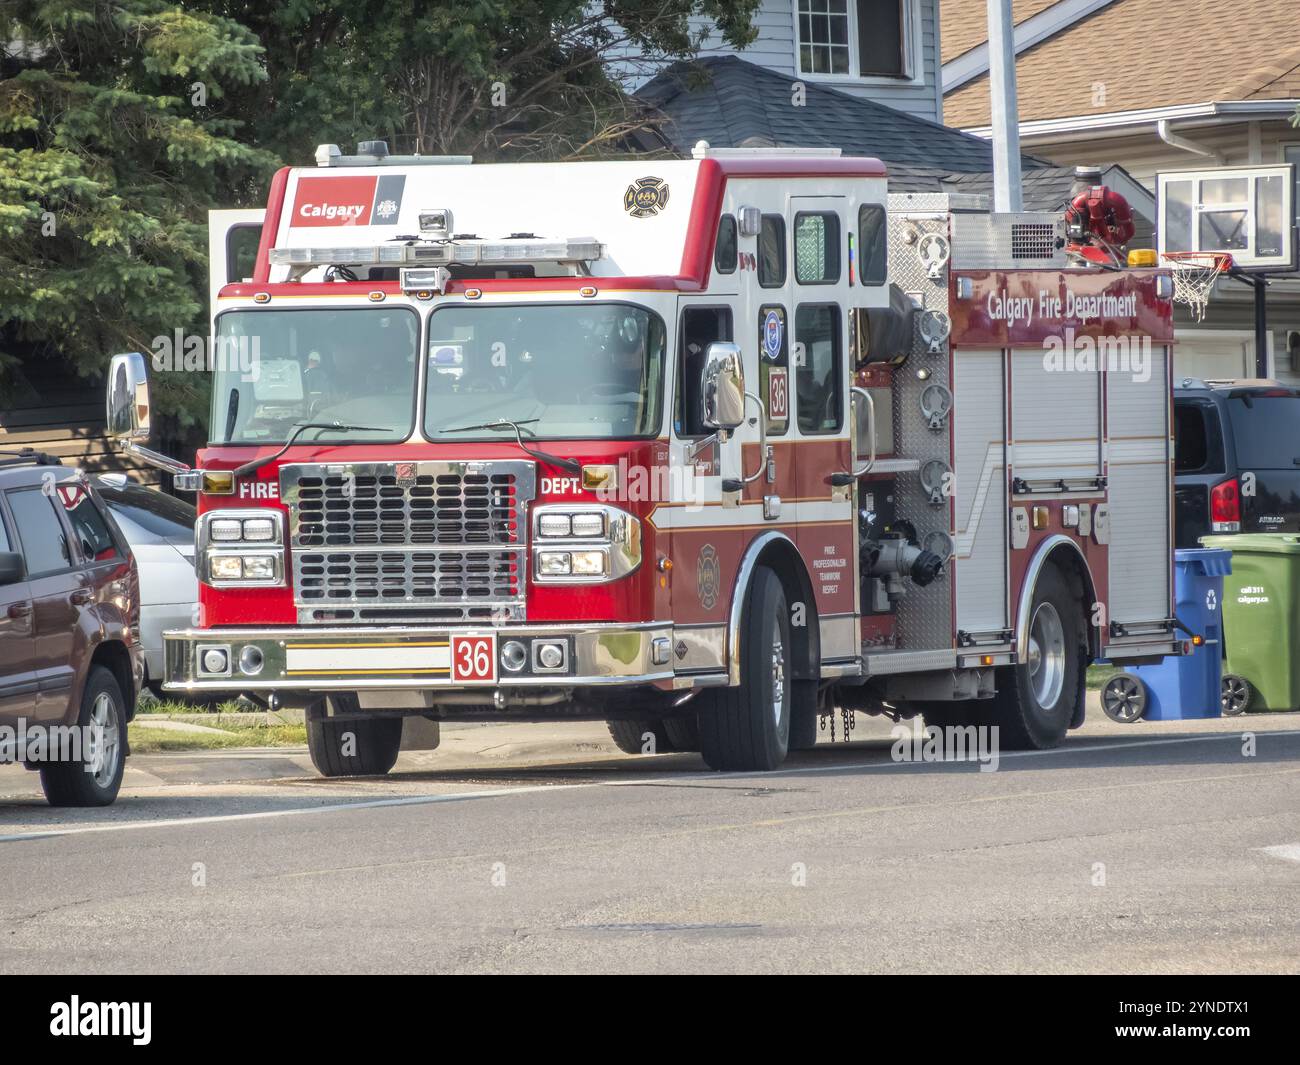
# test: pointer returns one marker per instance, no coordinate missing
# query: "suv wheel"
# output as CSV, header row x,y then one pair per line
x,y
95,779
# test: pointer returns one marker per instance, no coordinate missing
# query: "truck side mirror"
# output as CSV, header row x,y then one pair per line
x,y
11,567
128,398
722,387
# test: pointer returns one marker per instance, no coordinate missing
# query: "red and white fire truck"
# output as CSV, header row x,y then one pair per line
x,y
706,448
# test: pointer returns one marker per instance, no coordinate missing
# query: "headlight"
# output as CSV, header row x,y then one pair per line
x,y
554,525
589,563
259,530
615,552
554,563
589,525
259,567
241,547
225,530
226,567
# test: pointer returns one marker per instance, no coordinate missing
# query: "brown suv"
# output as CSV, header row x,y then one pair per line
x,y
70,662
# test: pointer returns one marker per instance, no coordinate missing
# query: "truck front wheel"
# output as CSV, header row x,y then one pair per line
x,y
748,727
351,746
1035,700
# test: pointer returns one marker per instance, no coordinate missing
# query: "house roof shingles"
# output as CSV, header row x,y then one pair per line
x,y
1160,54
965,22
728,101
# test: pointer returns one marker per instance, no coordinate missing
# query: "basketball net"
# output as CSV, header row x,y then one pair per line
x,y
1194,275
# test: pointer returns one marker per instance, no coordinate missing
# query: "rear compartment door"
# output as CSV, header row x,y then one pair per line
x,y
1055,424
1265,428
1138,471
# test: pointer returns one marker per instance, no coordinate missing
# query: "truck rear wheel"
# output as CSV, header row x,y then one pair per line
x,y
748,727
1035,700
630,736
351,746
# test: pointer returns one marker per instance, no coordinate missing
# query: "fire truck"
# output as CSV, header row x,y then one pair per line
x,y
706,448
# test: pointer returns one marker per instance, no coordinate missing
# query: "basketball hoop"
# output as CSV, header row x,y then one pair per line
x,y
1194,275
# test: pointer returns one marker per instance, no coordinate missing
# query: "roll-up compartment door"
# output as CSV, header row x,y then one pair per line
x,y
1055,422
1138,470
979,456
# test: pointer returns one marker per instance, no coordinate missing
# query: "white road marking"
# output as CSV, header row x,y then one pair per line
x,y
1289,852
534,789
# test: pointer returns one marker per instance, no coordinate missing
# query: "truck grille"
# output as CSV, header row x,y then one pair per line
x,y
411,541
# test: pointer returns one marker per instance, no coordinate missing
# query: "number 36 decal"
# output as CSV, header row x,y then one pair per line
x,y
474,658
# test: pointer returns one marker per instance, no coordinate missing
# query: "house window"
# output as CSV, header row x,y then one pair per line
x,y
856,38
1291,154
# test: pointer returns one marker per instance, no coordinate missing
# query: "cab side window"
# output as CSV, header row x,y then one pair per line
x,y
873,241
817,248
771,251
725,252
818,368
44,542
701,326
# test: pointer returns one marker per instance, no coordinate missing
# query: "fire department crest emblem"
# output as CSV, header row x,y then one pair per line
x,y
645,197
708,575
404,473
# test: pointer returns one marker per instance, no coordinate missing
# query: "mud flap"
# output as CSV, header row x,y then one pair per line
x,y
1081,695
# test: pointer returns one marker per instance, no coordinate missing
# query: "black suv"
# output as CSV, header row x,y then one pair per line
x,y
69,631
1236,458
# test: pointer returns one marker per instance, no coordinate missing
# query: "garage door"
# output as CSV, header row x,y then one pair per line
x,y
1213,354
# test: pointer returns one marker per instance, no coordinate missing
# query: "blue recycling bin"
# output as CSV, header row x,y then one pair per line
x,y
1184,686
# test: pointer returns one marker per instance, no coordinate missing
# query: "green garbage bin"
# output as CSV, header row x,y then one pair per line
x,y
1261,620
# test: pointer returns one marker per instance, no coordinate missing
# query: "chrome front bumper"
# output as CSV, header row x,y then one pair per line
x,y
352,659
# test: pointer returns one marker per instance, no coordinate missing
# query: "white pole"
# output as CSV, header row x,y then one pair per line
x,y
1007,192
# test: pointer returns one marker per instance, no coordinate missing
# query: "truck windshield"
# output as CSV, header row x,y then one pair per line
x,y
278,369
561,371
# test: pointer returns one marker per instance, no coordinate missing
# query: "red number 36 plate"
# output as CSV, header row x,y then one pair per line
x,y
474,658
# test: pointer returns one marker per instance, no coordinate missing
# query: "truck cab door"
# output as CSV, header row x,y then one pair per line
x,y
233,238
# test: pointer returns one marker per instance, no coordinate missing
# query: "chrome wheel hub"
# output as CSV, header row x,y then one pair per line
x,y
103,750
778,676
1046,655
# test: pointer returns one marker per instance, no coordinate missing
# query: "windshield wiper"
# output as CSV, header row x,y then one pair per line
x,y
504,423
338,427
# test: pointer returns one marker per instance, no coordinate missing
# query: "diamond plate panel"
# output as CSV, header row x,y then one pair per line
x,y
924,615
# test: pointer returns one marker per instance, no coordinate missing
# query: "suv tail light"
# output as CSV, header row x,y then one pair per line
x,y
1225,507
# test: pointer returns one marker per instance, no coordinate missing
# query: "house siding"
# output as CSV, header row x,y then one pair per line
x,y
774,49
1145,156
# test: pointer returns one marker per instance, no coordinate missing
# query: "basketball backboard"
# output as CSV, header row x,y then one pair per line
x,y
1247,211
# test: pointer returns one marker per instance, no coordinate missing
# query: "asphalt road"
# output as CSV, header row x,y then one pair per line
x,y
1149,848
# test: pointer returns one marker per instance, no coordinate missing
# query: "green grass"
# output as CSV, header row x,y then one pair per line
x,y
146,740
149,705
1098,675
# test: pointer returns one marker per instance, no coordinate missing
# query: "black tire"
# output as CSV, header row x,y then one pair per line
x,y
804,715
1235,695
372,743
73,783
683,732
1124,698
1023,722
629,736
748,727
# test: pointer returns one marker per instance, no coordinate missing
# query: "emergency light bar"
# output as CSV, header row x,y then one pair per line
x,y
468,253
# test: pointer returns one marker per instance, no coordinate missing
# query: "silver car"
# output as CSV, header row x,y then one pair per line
x,y
160,530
